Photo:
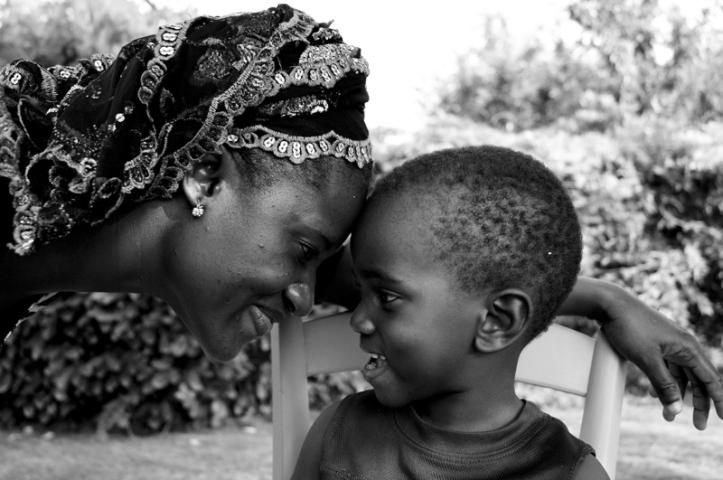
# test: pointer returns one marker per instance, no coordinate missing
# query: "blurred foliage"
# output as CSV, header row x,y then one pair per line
x,y
629,57
53,32
122,362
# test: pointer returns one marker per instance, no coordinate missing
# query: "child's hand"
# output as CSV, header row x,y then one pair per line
x,y
673,359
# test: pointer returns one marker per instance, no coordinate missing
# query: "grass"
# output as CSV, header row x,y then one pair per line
x,y
653,449
650,448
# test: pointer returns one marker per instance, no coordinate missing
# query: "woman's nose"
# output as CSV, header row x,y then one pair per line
x,y
299,298
360,322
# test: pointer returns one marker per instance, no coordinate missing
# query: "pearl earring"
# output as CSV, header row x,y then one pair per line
x,y
198,210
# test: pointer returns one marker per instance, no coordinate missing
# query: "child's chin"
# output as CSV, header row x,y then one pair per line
x,y
389,399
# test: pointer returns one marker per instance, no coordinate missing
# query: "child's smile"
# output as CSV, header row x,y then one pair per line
x,y
376,366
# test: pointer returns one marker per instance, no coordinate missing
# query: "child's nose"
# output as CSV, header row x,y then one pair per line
x,y
360,322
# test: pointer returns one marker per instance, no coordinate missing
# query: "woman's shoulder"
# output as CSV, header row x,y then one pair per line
x,y
12,313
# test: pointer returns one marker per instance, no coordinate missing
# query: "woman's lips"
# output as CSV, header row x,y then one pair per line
x,y
261,320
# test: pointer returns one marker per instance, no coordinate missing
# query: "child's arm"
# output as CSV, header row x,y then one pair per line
x,y
590,469
672,358
309,461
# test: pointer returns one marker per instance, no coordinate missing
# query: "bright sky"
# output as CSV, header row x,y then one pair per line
x,y
409,45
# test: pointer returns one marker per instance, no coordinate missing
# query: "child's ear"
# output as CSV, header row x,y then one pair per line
x,y
203,180
503,320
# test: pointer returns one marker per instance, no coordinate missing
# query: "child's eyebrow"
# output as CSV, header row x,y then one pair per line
x,y
377,275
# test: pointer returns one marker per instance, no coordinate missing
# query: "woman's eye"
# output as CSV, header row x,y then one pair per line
x,y
308,252
386,297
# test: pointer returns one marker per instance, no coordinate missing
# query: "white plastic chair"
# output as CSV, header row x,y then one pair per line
x,y
561,359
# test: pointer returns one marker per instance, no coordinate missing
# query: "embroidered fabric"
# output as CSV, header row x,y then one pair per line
x,y
299,148
82,142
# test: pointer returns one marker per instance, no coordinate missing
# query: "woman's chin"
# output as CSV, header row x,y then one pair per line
x,y
224,348
223,354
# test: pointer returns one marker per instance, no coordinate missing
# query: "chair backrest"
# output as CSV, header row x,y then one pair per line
x,y
561,359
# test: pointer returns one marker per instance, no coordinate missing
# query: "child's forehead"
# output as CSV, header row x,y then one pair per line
x,y
402,218
396,207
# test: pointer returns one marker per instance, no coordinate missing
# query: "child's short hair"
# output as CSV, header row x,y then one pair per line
x,y
502,220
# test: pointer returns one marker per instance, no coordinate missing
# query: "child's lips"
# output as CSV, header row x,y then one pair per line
x,y
375,366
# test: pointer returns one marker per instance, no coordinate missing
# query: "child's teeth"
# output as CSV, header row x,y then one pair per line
x,y
375,360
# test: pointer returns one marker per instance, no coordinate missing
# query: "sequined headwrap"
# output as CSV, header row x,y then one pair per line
x,y
80,143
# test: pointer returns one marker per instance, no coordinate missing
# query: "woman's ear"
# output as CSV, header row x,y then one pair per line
x,y
203,180
503,320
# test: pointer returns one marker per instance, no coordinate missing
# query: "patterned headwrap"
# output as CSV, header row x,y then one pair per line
x,y
81,142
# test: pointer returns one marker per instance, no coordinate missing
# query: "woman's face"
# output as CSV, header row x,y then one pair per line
x,y
251,259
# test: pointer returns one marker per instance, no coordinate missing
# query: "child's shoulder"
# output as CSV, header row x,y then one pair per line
x,y
363,399
556,444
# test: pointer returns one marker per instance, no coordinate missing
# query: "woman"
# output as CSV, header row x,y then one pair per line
x,y
217,165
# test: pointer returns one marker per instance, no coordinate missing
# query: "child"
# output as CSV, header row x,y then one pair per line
x,y
462,257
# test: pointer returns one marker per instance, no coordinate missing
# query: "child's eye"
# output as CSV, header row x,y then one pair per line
x,y
386,297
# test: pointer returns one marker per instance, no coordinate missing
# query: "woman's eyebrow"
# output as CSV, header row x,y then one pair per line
x,y
326,243
315,234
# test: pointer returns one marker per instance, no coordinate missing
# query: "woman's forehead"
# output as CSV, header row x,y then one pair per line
x,y
330,211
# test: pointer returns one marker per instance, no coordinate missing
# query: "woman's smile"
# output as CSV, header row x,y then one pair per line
x,y
261,320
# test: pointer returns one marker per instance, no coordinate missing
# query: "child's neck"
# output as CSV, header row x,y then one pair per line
x,y
490,404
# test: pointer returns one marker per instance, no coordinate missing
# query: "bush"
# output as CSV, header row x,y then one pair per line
x,y
629,58
682,169
122,362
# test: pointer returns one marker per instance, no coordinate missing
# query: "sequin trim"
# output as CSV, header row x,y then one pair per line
x,y
325,64
293,107
168,38
12,77
25,218
138,172
253,85
299,149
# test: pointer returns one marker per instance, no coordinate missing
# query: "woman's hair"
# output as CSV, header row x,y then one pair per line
x,y
260,170
82,142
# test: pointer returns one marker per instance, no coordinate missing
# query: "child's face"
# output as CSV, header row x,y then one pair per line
x,y
411,311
